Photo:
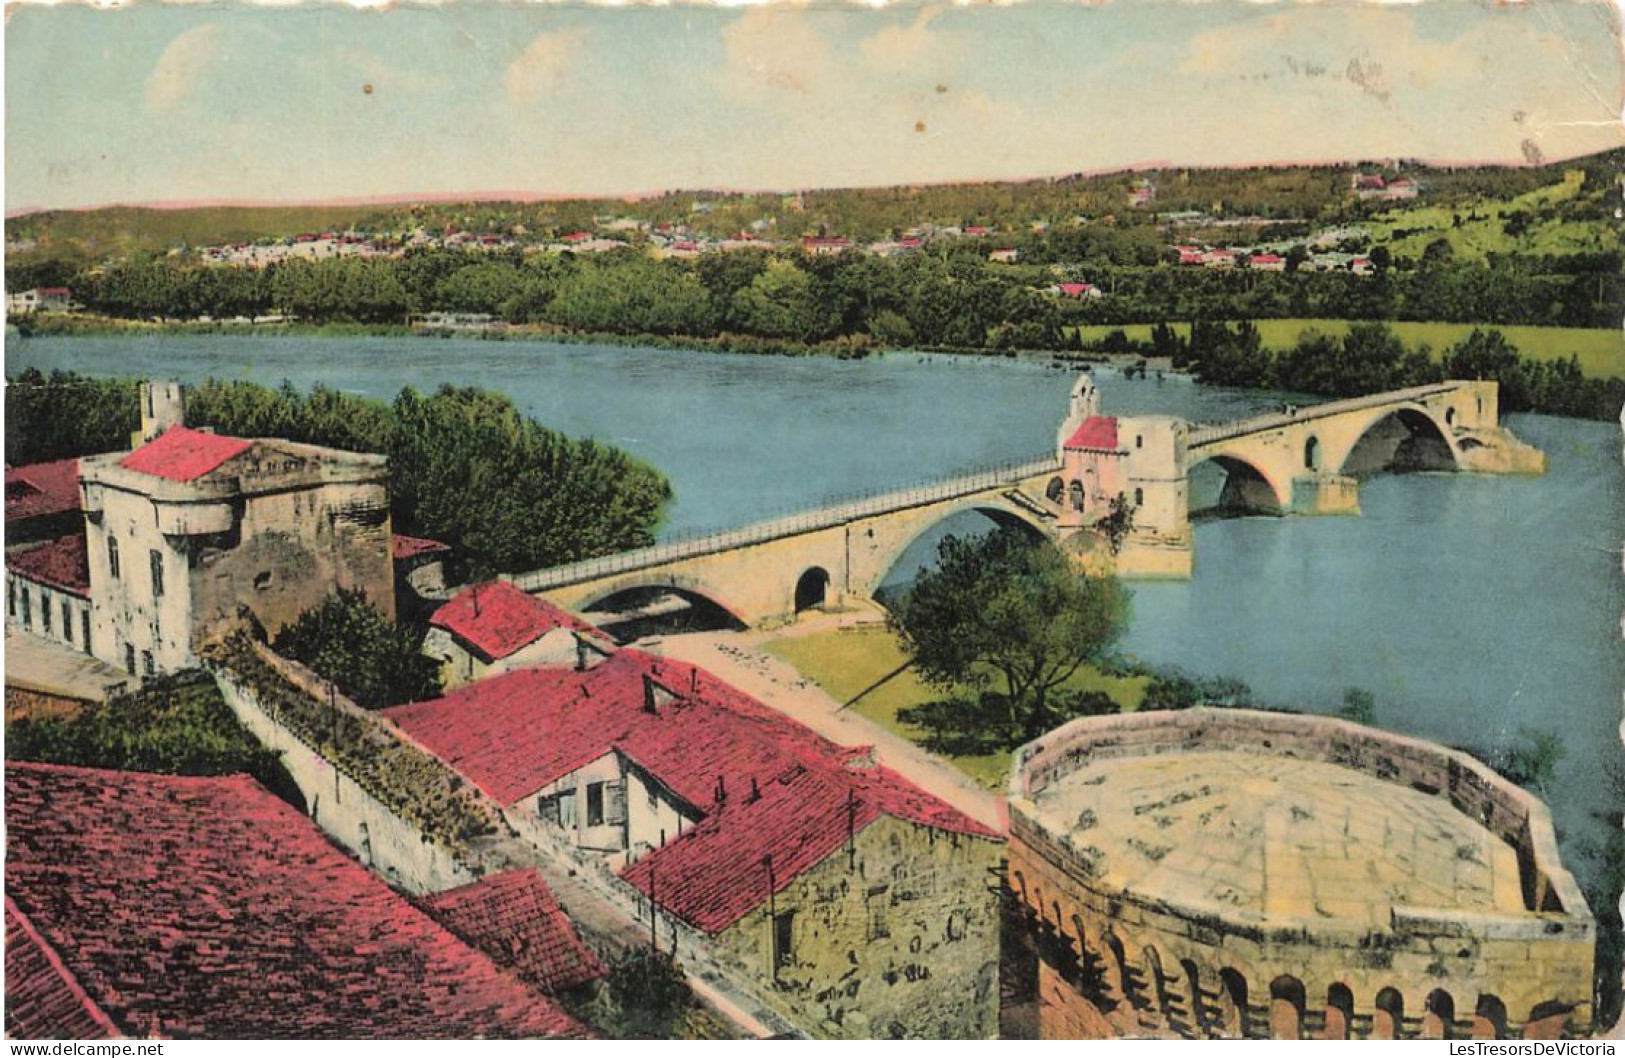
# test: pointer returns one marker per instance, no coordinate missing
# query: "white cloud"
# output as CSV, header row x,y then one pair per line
x,y
182,66
544,66
905,47
778,48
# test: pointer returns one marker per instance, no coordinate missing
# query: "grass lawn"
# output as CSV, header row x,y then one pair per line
x,y
844,663
1601,350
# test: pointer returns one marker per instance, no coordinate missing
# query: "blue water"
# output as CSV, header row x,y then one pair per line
x,y
1471,607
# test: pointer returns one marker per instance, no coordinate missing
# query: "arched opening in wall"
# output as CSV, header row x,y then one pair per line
x,y
1286,1008
1438,1015
1388,1023
1156,986
812,589
1226,487
1194,1001
1092,969
1074,492
1311,454
1232,1019
1339,1011
1055,491
924,551
639,612
1489,1019
1403,441
1119,963
1450,417
1547,1021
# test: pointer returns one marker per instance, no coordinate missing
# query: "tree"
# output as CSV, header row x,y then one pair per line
x,y
1003,606
1359,706
646,996
373,661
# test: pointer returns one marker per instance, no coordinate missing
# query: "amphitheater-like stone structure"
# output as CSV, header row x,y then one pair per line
x,y
1231,873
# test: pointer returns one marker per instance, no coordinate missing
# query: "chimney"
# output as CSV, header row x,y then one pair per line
x,y
474,596
651,703
581,653
722,792
755,792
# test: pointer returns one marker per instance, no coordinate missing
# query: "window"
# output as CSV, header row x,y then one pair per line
x,y
1139,440
45,611
129,659
28,609
566,805
11,598
595,804
157,560
112,556
784,938
84,630
878,905
147,667
67,621
1139,497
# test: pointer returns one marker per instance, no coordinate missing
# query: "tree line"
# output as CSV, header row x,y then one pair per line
x,y
466,466
1370,358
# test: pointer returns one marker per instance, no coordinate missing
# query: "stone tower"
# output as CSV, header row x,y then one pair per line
x,y
163,404
1084,405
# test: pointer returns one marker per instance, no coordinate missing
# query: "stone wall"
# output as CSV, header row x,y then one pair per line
x,y
1149,967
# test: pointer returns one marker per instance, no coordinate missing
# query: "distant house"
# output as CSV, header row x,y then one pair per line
x,y
1219,259
849,900
489,629
1075,290
825,245
158,906
1401,187
40,299
1143,194
1191,255
1267,262
1004,256
1361,266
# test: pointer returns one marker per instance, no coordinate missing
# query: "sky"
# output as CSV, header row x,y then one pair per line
x,y
153,103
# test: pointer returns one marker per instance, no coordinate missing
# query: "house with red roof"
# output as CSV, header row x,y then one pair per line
x,y
167,907
825,245
1078,291
1267,262
1106,459
844,897
492,628
194,532
48,591
42,501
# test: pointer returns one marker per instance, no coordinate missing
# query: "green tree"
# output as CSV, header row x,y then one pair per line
x,y
63,415
1359,706
373,661
1003,607
645,996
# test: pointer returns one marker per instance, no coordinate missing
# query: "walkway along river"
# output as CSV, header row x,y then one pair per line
x,y
1471,607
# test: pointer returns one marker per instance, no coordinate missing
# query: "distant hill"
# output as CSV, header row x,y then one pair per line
x,y
1314,194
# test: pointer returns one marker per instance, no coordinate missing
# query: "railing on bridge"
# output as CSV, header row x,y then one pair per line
x,y
1206,435
844,510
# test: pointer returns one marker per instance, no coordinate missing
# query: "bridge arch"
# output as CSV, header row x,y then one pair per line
x,y
892,538
1408,436
1247,486
707,603
812,588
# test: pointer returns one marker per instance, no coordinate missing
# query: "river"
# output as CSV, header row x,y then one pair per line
x,y
1473,608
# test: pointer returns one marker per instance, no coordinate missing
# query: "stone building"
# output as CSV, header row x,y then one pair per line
x,y
838,894
1233,873
488,629
42,502
194,531
167,907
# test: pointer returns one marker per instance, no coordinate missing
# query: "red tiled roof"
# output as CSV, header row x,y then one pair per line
x,y
1074,290
60,563
497,619
515,919
43,1001
180,454
402,546
514,734
42,489
207,907
1098,433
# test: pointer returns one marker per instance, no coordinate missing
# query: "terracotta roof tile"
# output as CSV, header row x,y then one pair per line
x,y
498,619
181,454
41,489
1098,434
515,919
43,1001
514,734
402,546
206,907
60,563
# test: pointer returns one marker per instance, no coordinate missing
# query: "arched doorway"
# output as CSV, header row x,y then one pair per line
x,y
1490,1019
1074,493
1232,1004
1055,491
1438,1016
1311,453
1339,1012
1286,1008
812,589
1389,1021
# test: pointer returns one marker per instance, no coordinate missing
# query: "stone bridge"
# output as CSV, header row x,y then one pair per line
x,y
1303,461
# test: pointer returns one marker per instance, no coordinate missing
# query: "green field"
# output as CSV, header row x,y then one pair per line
x,y
843,663
1478,229
1601,351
